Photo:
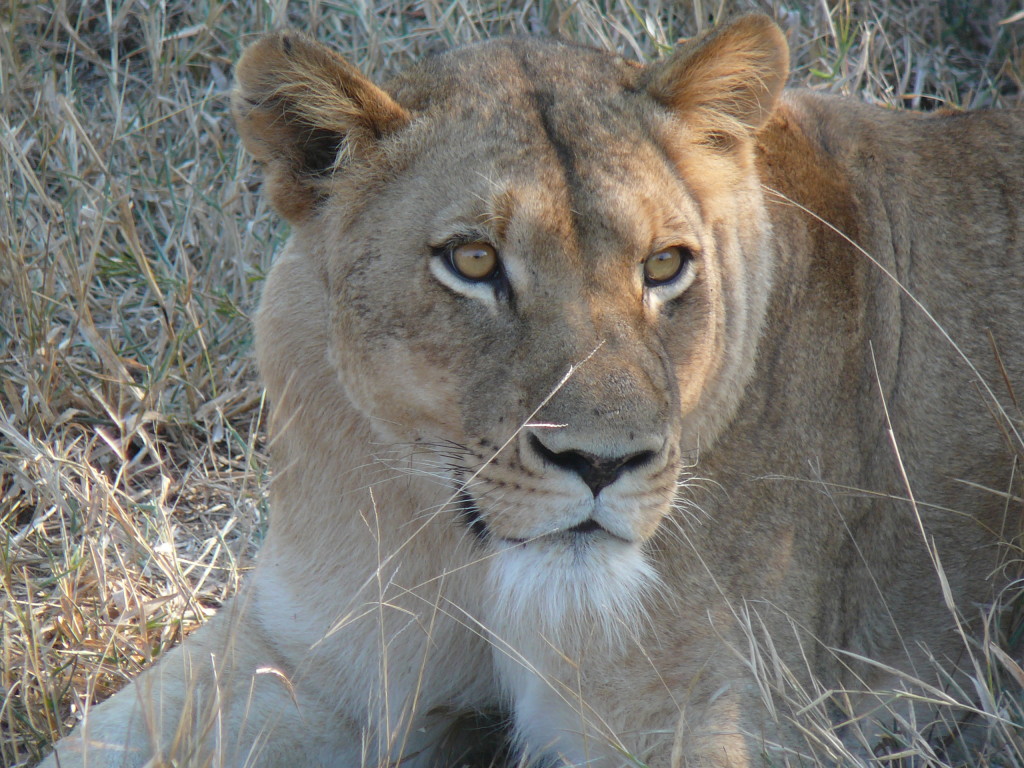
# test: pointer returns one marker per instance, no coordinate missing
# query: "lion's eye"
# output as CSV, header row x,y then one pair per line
x,y
474,261
666,265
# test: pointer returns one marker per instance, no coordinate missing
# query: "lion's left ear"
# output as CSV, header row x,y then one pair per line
x,y
302,110
725,84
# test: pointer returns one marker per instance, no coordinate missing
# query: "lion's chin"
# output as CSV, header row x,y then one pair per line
x,y
575,590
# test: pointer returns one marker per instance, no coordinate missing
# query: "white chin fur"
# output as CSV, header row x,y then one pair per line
x,y
573,594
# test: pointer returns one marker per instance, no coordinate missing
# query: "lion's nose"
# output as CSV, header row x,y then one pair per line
x,y
597,472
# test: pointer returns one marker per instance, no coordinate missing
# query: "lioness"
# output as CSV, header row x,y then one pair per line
x,y
660,409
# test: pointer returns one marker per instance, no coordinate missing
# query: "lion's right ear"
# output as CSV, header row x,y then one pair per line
x,y
725,84
301,110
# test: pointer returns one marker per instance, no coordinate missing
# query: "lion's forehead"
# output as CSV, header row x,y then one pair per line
x,y
508,74
509,95
543,141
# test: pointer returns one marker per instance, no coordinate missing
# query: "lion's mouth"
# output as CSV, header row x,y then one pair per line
x,y
471,517
590,525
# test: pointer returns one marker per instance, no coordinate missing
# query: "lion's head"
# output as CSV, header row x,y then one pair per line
x,y
545,265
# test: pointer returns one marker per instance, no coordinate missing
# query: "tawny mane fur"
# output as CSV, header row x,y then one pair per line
x,y
655,409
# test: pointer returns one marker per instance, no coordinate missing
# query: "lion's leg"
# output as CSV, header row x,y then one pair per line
x,y
218,700
236,695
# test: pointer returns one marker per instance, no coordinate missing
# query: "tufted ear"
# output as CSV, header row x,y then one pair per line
x,y
301,110
726,83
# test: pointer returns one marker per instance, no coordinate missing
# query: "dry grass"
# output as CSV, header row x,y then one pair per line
x,y
132,248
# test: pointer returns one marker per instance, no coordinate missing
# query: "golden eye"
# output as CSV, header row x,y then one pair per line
x,y
666,265
474,261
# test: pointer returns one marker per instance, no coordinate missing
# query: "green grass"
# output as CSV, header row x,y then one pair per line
x,y
133,244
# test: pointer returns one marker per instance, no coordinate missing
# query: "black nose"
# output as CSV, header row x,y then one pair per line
x,y
597,472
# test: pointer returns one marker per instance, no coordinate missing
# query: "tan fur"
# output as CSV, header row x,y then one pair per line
x,y
757,552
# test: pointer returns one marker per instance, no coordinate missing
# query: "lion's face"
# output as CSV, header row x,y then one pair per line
x,y
545,285
540,298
